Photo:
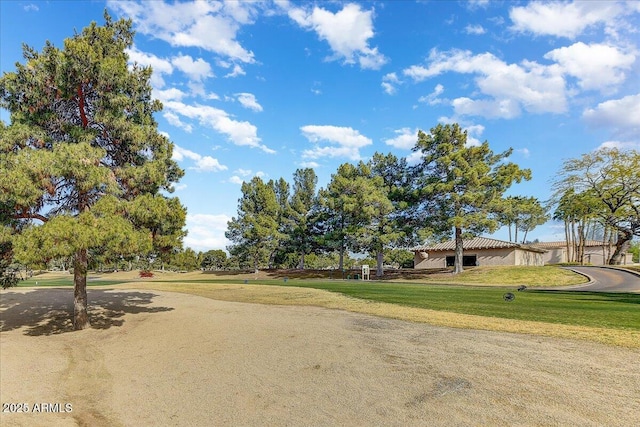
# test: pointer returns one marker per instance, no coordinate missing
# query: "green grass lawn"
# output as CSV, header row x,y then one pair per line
x,y
609,310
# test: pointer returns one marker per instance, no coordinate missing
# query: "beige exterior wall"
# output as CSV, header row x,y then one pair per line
x,y
592,255
509,256
529,258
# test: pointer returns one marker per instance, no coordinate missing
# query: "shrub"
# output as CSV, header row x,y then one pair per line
x,y
146,273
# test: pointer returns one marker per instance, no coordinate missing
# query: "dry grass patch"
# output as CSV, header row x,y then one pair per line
x,y
511,275
280,295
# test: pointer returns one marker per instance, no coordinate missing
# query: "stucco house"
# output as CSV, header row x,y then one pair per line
x,y
478,251
595,252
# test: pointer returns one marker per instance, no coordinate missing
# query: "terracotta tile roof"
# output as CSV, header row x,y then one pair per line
x,y
476,243
553,245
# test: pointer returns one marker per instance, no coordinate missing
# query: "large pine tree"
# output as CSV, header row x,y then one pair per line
x,y
82,161
466,182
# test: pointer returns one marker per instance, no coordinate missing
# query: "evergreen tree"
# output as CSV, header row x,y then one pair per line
x,y
215,259
302,203
82,155
255,231
466,183
352,211
521,214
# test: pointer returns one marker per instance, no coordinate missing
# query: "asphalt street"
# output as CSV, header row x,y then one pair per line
x,y
607,280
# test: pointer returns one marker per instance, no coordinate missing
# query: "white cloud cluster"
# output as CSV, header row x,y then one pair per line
x,y
208,25
565,19
248,100
242,175
195,69
433,97
510,87
347,31
596,66
405,138
621,115
344,141
240,133
389,83
202,163
474,29
206,231
528,85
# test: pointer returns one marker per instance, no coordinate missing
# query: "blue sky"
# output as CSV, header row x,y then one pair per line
x,y
263,88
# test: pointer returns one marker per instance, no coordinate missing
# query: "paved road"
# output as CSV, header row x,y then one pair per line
x,y
607,280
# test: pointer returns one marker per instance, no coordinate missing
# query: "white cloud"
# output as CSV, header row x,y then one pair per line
x,y
432,98
562,19
621,145
596,66
489,108
345,141
406,138
31,7
474,29
477,3
524,151
347,32
196,70
180,154
510,87
206,231
237,71
312,165
202,163
174,120
389,83
244,174
474,132
168,94
239,133
212,26
622,116
414,158
248,100
209,164
158,65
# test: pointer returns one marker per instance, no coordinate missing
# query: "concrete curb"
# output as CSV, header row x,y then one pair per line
x,y
611,267
590,282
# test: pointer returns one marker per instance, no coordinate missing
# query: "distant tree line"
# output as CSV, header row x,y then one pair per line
x,y
597,196
382,206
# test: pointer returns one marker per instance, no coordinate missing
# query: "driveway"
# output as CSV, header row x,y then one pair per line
x,y
607,280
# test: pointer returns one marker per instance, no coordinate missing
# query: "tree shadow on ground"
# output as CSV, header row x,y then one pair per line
x,y
50,311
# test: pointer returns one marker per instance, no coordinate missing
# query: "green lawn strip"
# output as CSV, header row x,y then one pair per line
x,y
607,310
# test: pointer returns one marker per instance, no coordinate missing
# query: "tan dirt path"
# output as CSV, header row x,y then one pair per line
x,y
162,358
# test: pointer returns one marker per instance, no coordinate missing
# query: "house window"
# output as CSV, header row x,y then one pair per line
x,y
467,261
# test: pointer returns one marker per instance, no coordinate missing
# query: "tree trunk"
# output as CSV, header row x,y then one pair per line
x,y
301,263
622,246
380,262
568,240
80,315
457,268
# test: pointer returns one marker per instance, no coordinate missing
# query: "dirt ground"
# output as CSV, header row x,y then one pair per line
x,y
162,358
